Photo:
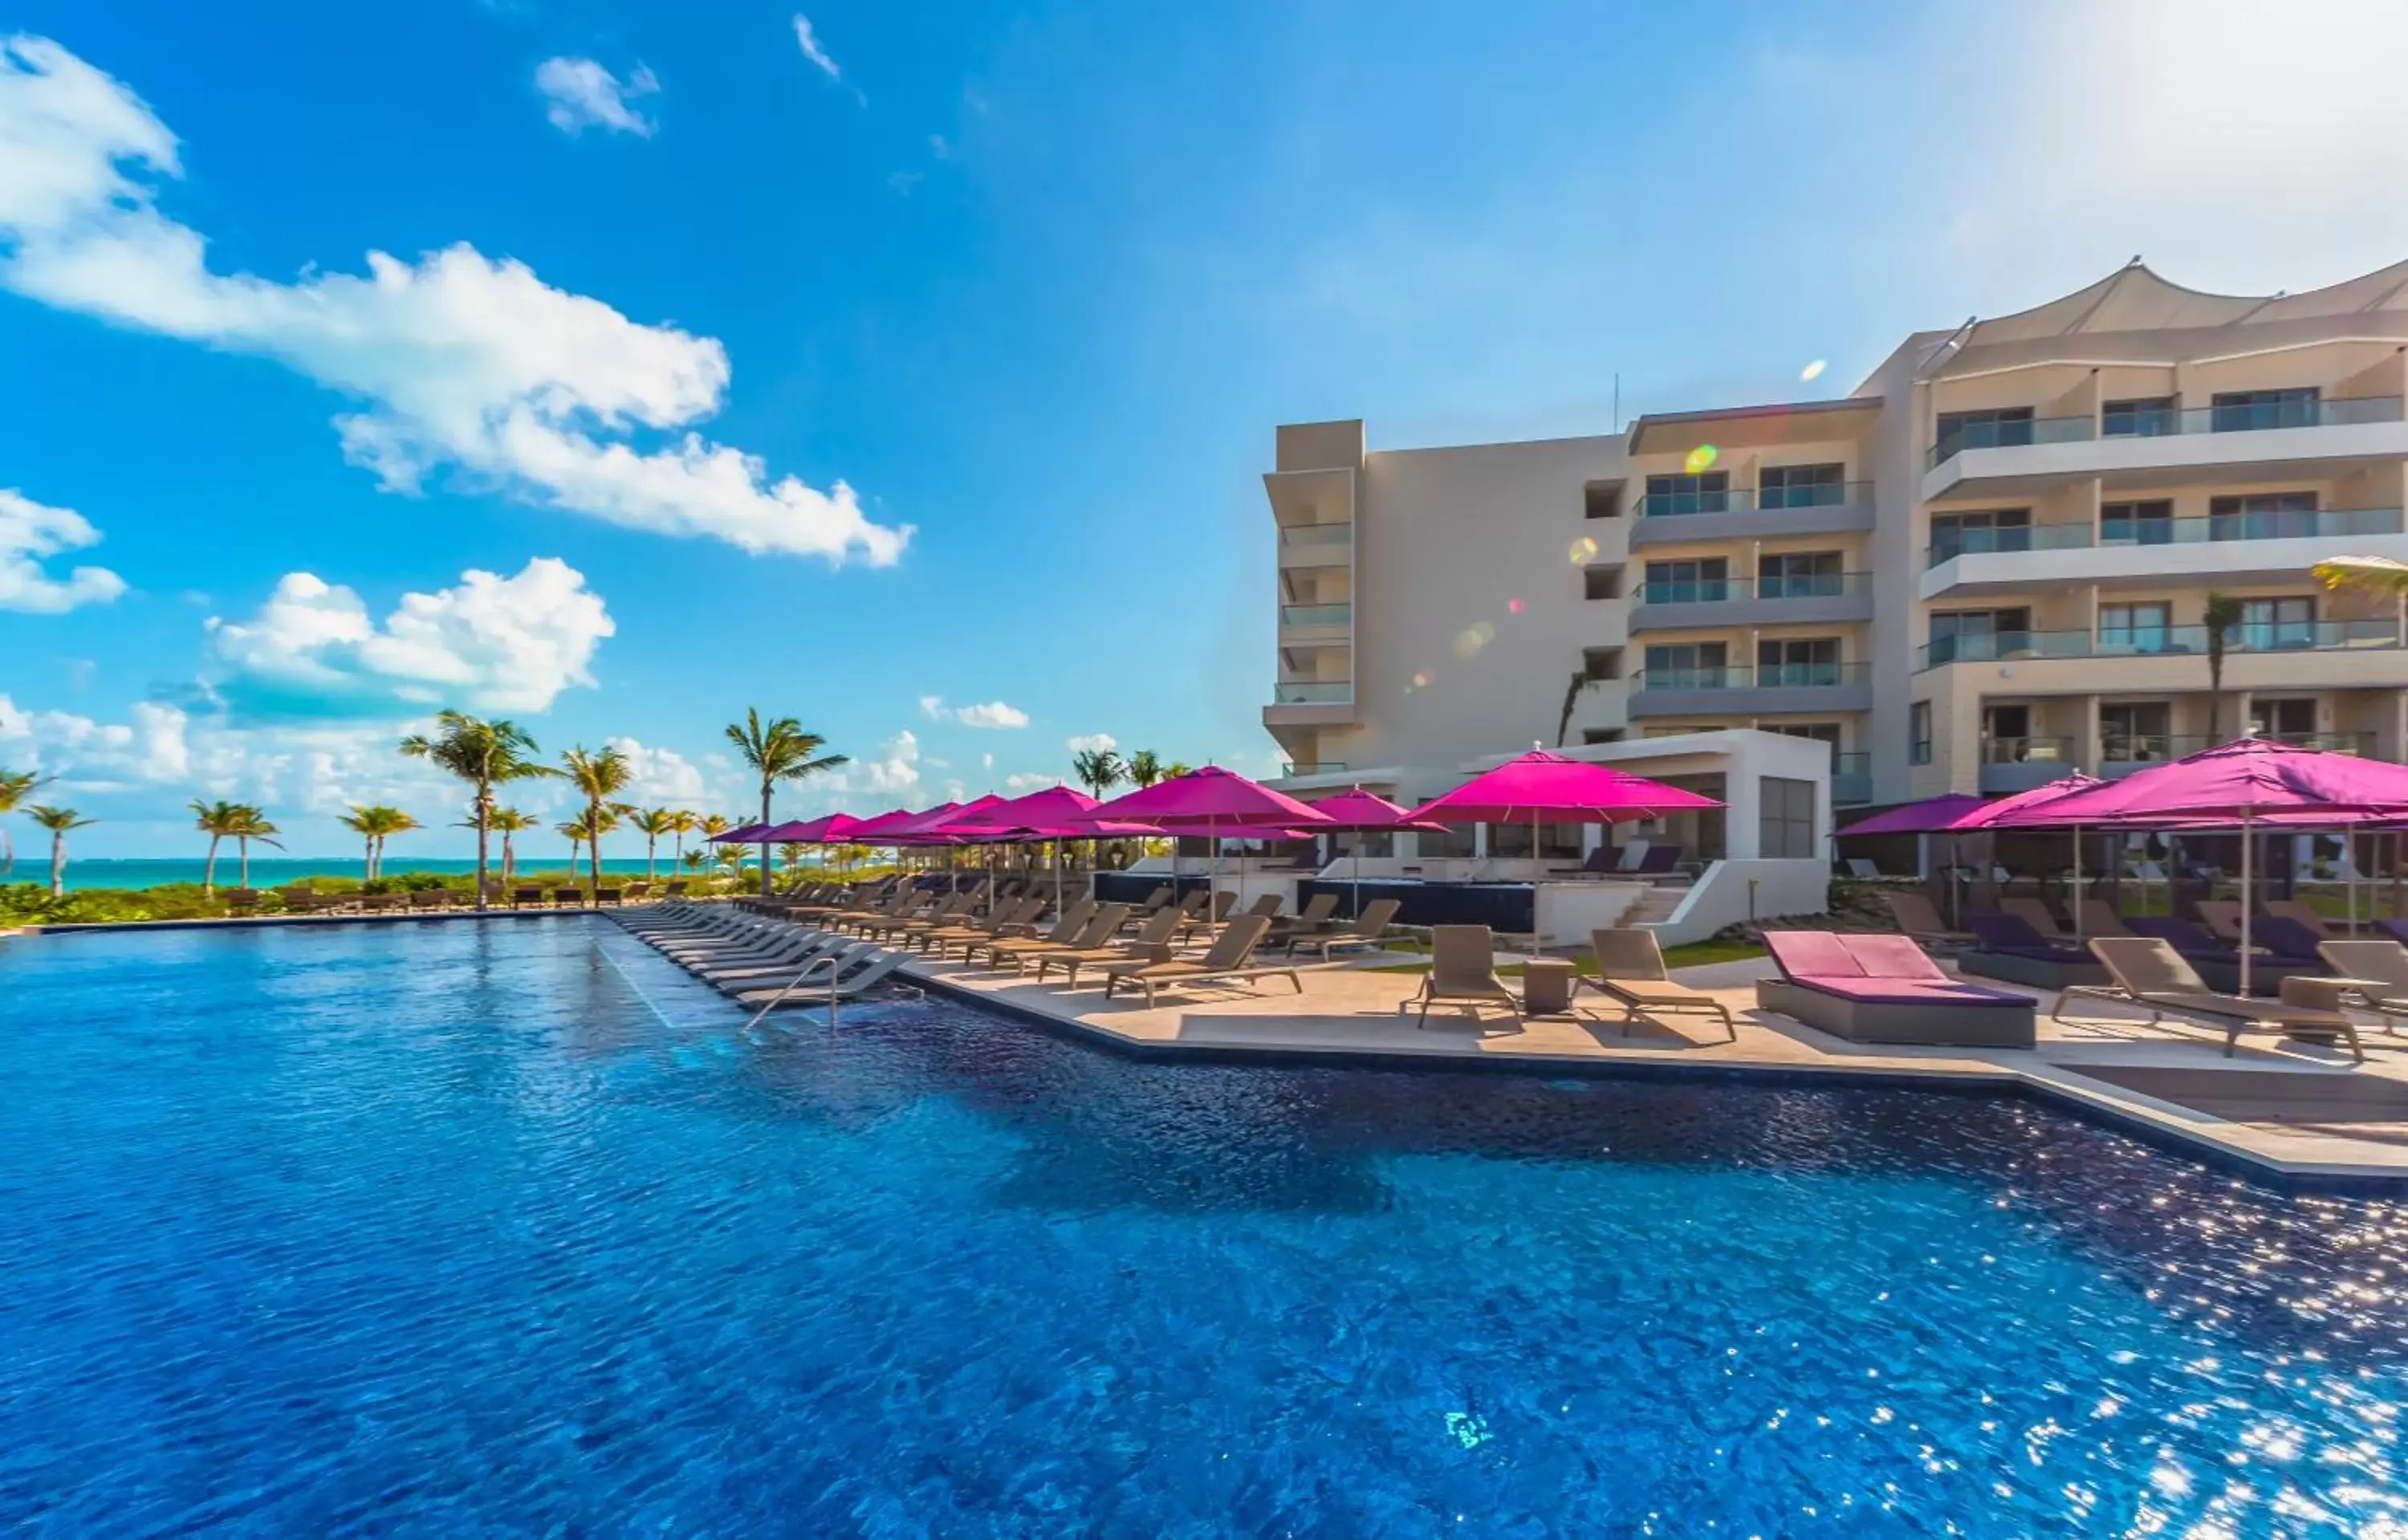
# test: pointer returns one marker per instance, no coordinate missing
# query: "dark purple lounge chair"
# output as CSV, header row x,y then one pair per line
x,y
2396,930
2010,947
1885,989
1660,860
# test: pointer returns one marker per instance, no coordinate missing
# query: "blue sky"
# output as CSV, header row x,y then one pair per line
x,y
1034,283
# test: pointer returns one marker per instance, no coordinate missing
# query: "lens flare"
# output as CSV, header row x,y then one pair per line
x,y
1702,458
1512,607
1472,638
1813,371
1422,680
1584,551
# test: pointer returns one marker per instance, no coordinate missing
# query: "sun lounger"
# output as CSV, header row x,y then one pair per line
x,y
2148,972
2380,970
1066,929
2034,914
855,974
1313,918
2222,918
2007,946
2100,919
925,933
1885,990
1463,972
784,966
1630,972
1915,915
574,896
2305,913
1864,870
1364,933
1231,960
1100,928
1152,942
2284,948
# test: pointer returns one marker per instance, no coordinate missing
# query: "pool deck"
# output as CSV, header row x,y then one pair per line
x,y
2290,1110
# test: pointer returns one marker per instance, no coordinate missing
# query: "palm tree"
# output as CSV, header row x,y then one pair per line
x,y
681,823
250,825
373,826
790,855
713,825
58,821
15,786
1176,768
507,822
778,751
1144,767
695,859
575,830
485,754
218,821
598,778
1097,769
2223,613
652,823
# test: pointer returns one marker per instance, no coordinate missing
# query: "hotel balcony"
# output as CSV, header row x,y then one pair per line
x,y
1834,598
1311,703
1770,690
2285,639
1851,780
2119,757
1310,545
1317,624
2234,548
2237,442
1742,513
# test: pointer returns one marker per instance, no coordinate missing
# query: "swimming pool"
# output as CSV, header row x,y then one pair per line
x,y
453,1228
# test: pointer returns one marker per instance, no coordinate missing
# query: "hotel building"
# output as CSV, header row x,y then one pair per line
x,y
1986,566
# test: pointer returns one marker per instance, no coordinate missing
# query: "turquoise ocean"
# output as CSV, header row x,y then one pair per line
x,y
33,865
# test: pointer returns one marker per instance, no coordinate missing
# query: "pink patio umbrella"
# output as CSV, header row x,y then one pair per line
x,y
1356,811
1207,799
828,828
1988,814
1932,815
742,834
1540,785
1055,815
2246,782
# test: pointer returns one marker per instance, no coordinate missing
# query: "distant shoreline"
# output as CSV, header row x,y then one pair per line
x,y
135,872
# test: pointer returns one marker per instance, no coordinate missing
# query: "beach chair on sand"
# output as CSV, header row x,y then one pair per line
x,y
2151,974
526,898
1463,972
1630,972
1364,933
1229,960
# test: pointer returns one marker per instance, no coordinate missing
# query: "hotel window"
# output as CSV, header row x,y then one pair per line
x,y
1975,634
2263,516
2135,627
2136,732
2247,410
2276,623
1821,732
1798,574
1786,818
1601,735
1801,486
1991,529
1600,663
1918,733
1797,660
2136,523
1689,666
1687,582
1992,429
2291,720
1708,493
1601,583
1601,500
2145,417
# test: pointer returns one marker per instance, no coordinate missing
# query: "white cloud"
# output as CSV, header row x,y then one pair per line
x,y
986,761
582,95
812,48
1091,741
661,776
460,363
990,715
490,644
895,769
30,533
941,147
91,756
1020,785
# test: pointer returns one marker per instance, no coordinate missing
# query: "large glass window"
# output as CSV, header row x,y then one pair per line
x,y
2143,417
2274,624
1797,660
1689,666
1995,429
1801,486
1798,574
1786,818
1687,582
2136,731
2135,627
1706,493
1989,529
1918,733
2137,524
2244,410
1978,634
2263,516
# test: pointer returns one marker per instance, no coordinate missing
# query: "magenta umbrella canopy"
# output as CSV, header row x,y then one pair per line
x,y
1053,805
1358,809
1542,786
2238,781
1204,798
829,829
924,827
870,831
1932,815
743,834
1988,814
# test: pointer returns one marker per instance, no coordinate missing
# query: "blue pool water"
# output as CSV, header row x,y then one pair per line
x,y
449,1230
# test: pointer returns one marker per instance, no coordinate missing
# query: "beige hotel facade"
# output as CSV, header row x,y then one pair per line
x,y
1986,567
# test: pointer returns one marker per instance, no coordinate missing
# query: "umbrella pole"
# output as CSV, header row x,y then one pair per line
x,y
2247,839
1538,870
2077,884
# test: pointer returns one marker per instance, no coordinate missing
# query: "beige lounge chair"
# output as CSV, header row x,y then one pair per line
x,y
1012,918
1313,917
2222,917
1229,960
1363,933
1152,942
1463,972
2034,914
1066,930
2150,973
2099,918
2382,962
1100,928
1915,916
2304,911
1630,972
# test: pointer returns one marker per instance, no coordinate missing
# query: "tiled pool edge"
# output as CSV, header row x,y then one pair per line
x,y
2334,1179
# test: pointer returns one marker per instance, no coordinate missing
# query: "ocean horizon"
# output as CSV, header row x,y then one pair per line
x,y
279,870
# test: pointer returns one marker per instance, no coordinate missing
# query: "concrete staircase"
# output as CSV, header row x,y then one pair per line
x,y
1657,907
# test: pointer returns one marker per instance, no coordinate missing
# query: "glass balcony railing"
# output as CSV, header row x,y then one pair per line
x,y
1851,778
2155,748
1722,590
2026,751
1315,614
2160,422
2322,635
1768,676
1292,536
1312,767
1313,692
2120,532
1741,499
